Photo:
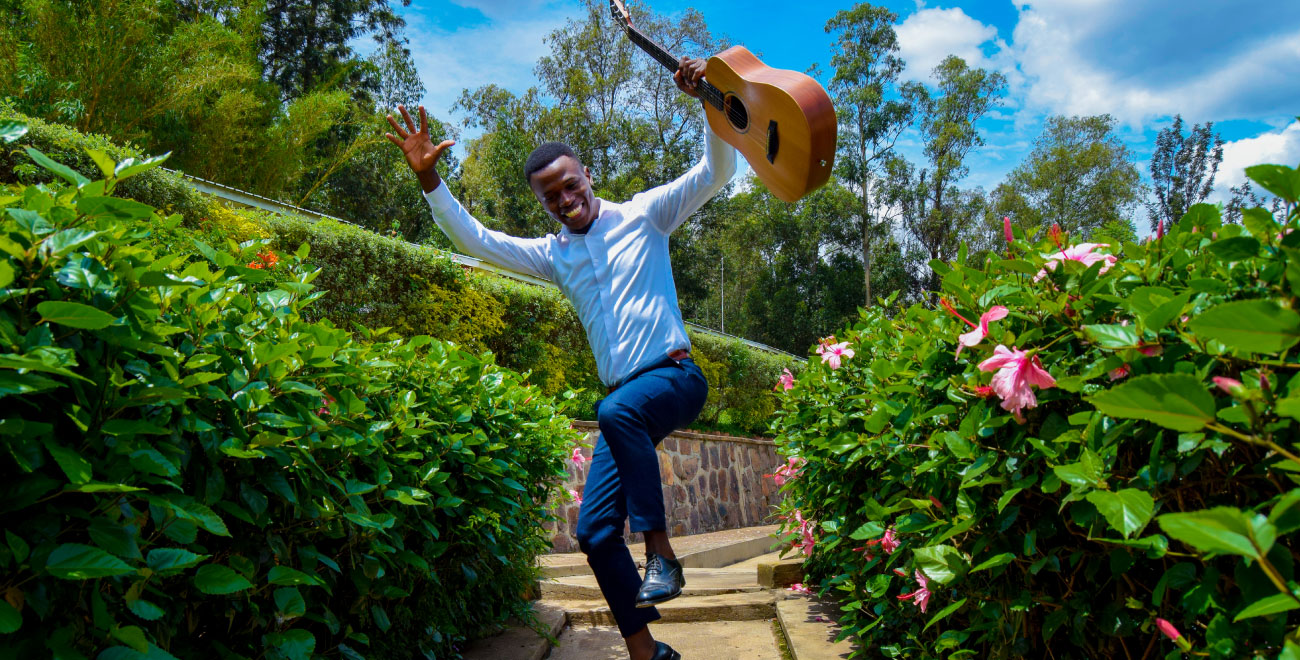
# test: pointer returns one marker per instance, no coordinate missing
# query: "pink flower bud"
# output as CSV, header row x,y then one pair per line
x,y
1228,385
1160,230
1006,229
1168,629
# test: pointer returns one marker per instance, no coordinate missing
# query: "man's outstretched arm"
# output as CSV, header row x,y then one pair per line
x,y
524,255
669,205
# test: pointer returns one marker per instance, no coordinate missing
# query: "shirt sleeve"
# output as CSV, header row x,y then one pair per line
x,y
530,256
668,206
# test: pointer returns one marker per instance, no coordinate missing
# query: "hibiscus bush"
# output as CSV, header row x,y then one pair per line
x,y
1076,451
190,468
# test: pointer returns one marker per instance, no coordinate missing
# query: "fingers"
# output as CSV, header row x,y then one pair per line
x,y
396,129
410,123
424,121
393,138
442,146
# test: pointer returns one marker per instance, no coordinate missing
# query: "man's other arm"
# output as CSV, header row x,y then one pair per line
x,y
525,255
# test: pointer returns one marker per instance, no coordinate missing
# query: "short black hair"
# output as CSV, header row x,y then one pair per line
x,y
545,155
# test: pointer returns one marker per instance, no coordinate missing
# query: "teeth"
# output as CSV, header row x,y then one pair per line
x,y
573,213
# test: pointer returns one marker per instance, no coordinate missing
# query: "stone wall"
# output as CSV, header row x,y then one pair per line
x,y
710,483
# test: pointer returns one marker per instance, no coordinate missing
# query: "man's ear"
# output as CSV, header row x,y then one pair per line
x,y
587,170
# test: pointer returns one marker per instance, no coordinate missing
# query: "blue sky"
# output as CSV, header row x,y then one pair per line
x,y
1236,63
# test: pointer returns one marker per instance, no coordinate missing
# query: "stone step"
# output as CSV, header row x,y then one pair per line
x,y
745,606
711,550
518,641
725,640
810,629
699,582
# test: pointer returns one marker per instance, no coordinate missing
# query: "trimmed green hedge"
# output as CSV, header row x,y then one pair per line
x,y
380,281
192,469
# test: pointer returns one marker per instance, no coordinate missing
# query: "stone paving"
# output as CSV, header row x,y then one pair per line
x,y
726,613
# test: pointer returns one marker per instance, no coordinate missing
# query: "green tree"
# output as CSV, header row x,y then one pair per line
x,y
309,44
1183,168
1078,175
962,96
866,70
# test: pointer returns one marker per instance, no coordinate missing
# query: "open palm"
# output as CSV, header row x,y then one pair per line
x,y
420,152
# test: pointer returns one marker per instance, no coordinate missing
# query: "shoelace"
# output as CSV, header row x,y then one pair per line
x,y
654,566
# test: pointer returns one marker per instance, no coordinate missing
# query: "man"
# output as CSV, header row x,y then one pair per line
x,y
611,261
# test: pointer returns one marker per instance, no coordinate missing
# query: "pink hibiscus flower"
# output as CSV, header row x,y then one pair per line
x,y
577,457
785,381
995,313
920,597
834,353
1082,253
807,541
577,499
888,542
1017,372
789,471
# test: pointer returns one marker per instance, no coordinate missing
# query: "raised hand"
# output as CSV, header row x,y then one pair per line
x,y
689,74
420,152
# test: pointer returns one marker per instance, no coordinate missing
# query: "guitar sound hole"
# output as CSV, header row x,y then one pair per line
x,y
736,112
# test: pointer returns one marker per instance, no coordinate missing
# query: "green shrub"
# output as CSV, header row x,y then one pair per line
x,y
380,281
191,469
1141,486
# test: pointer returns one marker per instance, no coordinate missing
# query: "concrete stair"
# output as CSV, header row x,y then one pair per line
x,y
735,606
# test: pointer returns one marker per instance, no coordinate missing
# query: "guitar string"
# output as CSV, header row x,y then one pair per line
x,y
736,116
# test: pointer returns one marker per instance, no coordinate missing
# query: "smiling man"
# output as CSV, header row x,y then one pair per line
x,y
611,261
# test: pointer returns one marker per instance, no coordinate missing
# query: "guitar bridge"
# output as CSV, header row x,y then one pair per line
x,y
773,141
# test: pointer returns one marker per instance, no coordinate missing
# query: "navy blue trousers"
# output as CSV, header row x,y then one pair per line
x,y
623,479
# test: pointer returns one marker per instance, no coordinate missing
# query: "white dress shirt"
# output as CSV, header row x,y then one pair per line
x,y
617,275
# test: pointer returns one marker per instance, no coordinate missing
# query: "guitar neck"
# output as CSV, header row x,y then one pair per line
x,y
707,91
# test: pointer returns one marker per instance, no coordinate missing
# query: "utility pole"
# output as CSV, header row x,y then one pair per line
x,y
724,293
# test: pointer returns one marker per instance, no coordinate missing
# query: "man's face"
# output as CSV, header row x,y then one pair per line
x,y
564,189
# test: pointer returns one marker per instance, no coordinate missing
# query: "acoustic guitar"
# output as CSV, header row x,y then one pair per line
x,y
781,121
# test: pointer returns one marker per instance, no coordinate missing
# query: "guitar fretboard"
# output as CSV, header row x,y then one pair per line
x,y
710,93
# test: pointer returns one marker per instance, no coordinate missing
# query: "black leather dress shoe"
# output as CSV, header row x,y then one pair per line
x,y
663,581
665,652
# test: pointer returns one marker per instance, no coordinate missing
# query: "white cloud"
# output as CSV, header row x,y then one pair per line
x,y
1084,57
928,36
502,51
1279,147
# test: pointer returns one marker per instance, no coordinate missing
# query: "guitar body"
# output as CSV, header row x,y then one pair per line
x,y
782,121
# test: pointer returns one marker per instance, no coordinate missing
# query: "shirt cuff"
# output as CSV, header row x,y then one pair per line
x,y
440,199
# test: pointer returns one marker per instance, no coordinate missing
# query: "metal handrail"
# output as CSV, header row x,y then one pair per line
x,y
281,208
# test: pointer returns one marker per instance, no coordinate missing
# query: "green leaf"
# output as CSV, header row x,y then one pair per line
x,y
296,644
216,579
1113,336
103,160
132,636
1221,530
173,559
74,561
1277,179
868,530
11,130
1086,473
1258,326
1127,511
74,315
289,602
6,274
77,469
380,617
1165,312
67,240
115,208
145,609
10,619
1236,248
66,173
943,613
995,561
130,167
1175,401
289,576
941,563
1271,605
